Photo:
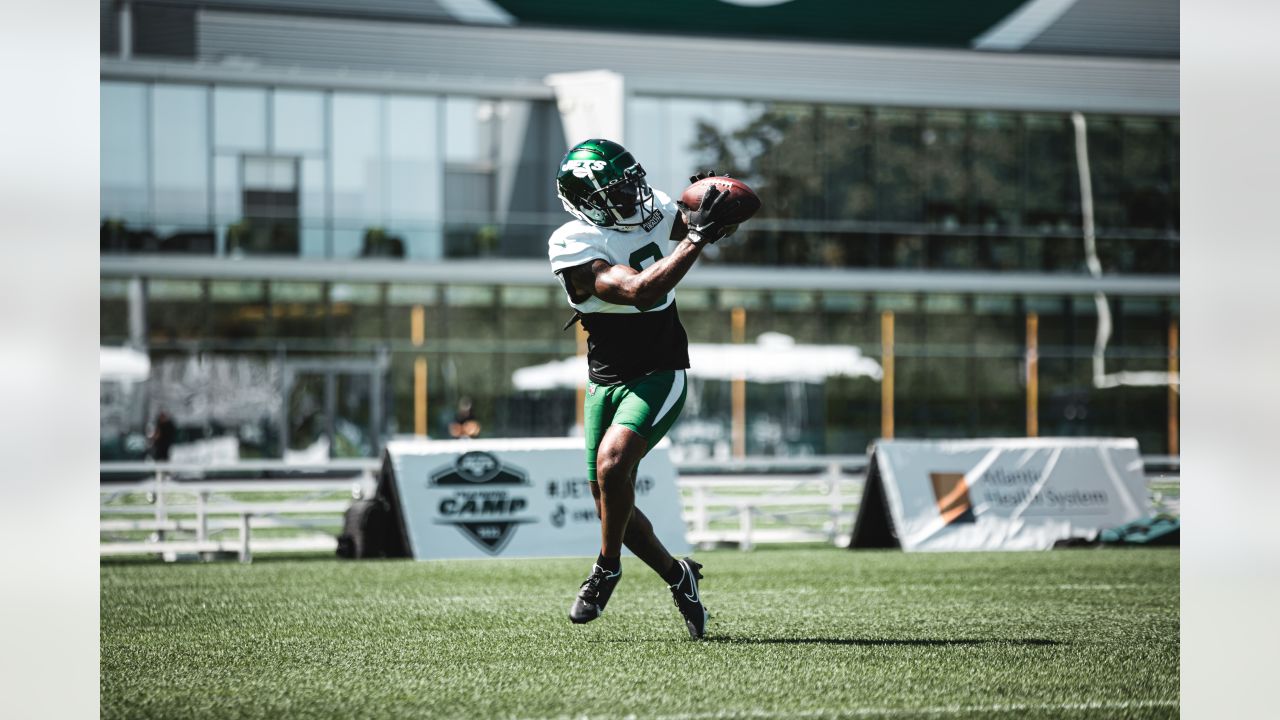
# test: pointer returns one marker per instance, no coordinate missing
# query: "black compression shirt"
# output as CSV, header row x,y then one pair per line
x,y
621,346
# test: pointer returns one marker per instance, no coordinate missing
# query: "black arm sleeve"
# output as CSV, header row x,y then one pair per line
x,y
568,284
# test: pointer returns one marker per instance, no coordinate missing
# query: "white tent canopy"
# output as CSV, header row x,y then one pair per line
x,y
774,358
123,364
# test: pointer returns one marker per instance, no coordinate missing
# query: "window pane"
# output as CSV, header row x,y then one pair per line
x,y
297,120
946,174
996,170
1107,172
226,188
415,191
1146,171
1052,183
123,139
240,119
749,299
469,295
789,169
356,311
845,156
469,124
356,170
299,310
175,310
314,208
113,311
180,155
270,207
401,300
898,166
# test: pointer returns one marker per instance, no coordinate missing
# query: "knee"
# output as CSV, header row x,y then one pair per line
x,y
610,468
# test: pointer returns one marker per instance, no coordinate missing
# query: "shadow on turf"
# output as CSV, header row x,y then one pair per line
x,y
930,642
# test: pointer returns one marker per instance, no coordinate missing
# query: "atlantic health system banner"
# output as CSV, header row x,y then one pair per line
x,y
516,498
998,494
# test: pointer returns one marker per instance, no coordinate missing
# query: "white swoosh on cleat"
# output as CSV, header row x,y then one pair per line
x,y
694,582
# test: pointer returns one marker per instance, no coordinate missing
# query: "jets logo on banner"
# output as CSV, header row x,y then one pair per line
x,y
486,500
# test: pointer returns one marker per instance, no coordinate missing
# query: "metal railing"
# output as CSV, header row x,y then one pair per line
x,y
201,503
174,510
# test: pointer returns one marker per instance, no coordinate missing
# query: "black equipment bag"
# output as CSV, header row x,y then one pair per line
x,y
375,527
364,529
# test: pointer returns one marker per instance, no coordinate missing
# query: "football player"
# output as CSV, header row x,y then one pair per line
x,y
619,261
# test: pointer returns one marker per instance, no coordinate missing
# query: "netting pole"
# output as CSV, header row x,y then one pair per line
x,y
418,334
739,323
886,385
1033,375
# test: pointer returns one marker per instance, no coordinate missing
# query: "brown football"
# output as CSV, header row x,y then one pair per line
x,y
742,203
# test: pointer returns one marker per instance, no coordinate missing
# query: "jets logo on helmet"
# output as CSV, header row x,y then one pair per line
x,y
599,182
583,168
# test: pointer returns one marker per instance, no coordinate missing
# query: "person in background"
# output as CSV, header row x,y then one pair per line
x,y
162,436
464,423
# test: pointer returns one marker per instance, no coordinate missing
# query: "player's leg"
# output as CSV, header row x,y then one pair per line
x,y
619,452
646,409
641,540
598,411
639,537
650,409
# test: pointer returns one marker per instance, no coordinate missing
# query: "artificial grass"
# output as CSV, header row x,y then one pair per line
x,y
794,633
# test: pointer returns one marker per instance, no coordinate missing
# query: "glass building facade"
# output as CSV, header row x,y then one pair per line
x,y
234,173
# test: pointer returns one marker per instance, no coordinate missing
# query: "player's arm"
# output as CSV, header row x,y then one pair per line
x,y
623,285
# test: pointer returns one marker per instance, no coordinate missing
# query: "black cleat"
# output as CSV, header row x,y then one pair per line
x,y
685,593
593,595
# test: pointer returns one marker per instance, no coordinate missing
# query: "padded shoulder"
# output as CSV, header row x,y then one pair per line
x,y
573,244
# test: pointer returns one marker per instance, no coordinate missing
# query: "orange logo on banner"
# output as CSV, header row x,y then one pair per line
x,y
952,493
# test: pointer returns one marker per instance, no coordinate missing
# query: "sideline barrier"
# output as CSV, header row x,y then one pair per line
x,y
179,508
513,498
998,494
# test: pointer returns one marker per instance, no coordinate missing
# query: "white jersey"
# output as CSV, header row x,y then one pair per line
x,y
577,242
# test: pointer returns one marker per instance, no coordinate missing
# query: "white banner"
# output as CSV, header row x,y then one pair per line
x,y
1001,494
517,498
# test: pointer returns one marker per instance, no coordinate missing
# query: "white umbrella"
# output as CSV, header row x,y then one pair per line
x,y
773,358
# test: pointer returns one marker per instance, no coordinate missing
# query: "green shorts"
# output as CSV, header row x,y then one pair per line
x,y
648,405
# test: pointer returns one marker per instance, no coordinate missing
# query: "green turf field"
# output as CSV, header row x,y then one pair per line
x,y
804,633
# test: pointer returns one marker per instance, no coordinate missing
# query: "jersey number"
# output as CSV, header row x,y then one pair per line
x,y
643,258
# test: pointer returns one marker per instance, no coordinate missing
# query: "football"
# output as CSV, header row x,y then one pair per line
x,y
743,201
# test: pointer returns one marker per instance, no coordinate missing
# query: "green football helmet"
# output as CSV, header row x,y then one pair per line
x,y
602,184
